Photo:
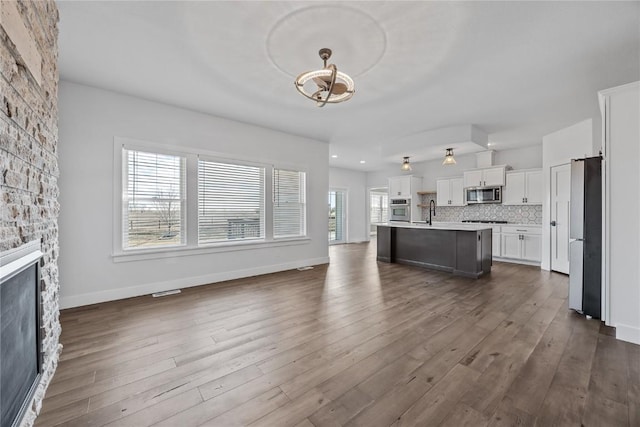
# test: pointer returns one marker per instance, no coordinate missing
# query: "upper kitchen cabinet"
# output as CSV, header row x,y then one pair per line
x,y
523,188
450,192
487,177
404,186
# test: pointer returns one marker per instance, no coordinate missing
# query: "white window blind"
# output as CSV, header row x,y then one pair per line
x,y
230,202
153,200
289,203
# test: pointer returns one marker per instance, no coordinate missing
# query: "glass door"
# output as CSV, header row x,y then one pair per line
x,y
378,208
337,216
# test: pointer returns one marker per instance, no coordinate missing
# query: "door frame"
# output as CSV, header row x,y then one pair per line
x,y
550,216
368,206
345,237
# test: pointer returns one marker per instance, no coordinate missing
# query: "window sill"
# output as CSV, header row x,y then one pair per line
x,y
159,253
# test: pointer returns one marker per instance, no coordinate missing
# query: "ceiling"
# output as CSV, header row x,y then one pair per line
x,y
428,75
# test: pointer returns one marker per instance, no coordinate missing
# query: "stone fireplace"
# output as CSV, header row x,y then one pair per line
x,y
29,164
20,331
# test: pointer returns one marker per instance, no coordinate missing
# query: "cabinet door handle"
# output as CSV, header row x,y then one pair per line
x,y
521,230
523,200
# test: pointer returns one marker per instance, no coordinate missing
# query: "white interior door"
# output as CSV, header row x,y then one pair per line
x,y
560,213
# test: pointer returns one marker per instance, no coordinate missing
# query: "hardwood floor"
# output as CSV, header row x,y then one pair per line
x,y
354,343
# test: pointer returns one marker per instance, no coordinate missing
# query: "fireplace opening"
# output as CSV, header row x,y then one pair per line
x,y
20,326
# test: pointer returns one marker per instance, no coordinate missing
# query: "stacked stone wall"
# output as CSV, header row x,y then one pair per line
x,y
28,155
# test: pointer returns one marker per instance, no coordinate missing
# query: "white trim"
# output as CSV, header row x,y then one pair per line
x,y
175,251
517,261
191,246
606,213
345,215
628,333
187,282
15,260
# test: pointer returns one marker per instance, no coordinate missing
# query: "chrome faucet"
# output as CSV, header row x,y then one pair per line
x,y
432,208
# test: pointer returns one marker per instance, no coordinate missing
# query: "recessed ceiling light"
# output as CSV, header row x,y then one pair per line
x,y
362,162
489,144
335,156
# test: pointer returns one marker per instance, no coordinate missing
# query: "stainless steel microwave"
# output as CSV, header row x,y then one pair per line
x,y
484,195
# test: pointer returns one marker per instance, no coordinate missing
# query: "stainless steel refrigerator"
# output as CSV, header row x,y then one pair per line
x,y
585,236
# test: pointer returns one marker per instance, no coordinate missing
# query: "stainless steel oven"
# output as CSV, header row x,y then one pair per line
x,y
484,195
400,210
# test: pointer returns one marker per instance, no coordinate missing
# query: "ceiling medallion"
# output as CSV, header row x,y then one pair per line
x,y
448,157
332,86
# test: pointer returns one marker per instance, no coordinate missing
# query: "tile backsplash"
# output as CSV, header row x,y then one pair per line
x,y
525,214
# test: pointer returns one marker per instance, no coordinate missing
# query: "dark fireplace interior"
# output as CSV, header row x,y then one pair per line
x,y
20,342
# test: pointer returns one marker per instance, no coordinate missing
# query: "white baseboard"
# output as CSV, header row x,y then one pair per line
x,y
628,333
517,261
186,282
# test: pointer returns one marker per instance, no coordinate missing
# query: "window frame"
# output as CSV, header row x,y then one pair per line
x,y
265,167
305,231
182,199
191,245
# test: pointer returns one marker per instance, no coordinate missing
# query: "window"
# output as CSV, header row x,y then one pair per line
x,y
379,208
153,200
175,199
289,203
230,202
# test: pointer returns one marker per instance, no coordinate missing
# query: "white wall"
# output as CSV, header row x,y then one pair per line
x,y
622,226
559,148
430,171
355,183
89,120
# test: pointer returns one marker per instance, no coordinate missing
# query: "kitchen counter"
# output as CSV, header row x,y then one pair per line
x,y
440,226
462,249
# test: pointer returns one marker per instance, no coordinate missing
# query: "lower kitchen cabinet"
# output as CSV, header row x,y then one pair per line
x,y
496,241
520,243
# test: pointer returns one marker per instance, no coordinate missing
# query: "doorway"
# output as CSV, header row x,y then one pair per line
x,y
560,214
378,208
337,216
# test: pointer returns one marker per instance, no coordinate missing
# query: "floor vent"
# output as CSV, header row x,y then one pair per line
x,y
305,268
165,293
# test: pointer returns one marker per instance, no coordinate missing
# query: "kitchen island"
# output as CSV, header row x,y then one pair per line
x,y
464,250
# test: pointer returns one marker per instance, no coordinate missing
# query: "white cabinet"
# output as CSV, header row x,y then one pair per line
x,y
473,178
521,243
449,192
407,187
510,245
400,186
488,177
523,188
496,243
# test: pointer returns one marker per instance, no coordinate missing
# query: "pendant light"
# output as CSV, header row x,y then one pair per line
x,y
406,166
448,157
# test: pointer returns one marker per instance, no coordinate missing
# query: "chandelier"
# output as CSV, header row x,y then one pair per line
x,y
331,85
